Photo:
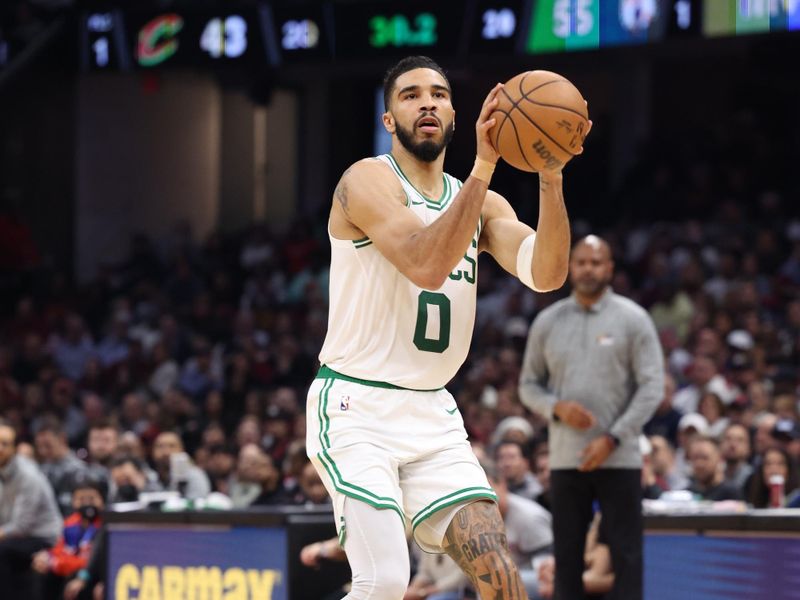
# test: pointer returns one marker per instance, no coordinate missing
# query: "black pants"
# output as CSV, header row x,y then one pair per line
x,y
619,493
16,576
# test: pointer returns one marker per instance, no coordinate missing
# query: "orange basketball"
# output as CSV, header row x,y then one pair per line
x,y
542,121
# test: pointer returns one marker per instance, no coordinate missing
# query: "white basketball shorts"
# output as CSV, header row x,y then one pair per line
x,y
394,449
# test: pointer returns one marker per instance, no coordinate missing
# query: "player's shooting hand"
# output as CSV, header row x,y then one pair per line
x,y
574,414
486,151
596,453
585,134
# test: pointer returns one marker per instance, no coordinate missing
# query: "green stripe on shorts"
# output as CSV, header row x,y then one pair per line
x,y
470,493
342,486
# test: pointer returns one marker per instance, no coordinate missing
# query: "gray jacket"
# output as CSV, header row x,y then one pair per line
x,y
609,359
27,503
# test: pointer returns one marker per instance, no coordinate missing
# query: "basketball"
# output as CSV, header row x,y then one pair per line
x,y
542,121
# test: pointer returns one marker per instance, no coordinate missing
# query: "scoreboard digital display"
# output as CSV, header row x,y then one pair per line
x,y
566,25
736,17
497,26
369,29
267,33
298,32
199,38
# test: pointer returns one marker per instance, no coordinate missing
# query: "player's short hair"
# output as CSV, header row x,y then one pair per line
x,y
409,63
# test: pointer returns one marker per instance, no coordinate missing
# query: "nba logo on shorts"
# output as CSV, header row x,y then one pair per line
x,y
344,403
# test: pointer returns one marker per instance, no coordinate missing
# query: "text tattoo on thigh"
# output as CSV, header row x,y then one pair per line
x,y
476,541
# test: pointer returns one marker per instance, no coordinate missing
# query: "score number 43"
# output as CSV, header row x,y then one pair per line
x,y
226,37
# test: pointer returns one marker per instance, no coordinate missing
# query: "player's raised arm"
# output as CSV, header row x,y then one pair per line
x,y
371,200
540,259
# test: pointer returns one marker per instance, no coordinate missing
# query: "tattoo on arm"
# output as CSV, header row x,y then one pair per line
x,y
543,185
340,193
476,540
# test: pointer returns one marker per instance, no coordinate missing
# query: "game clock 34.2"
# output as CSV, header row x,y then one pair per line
x,y
364,29
397,31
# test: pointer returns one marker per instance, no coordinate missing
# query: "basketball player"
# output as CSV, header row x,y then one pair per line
x,y
384,434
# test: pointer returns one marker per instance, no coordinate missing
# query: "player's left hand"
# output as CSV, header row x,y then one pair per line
x,y
596,453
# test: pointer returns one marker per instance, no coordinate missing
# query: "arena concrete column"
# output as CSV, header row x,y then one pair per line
x,y
147,157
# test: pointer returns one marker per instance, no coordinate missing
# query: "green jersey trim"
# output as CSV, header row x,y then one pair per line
x,y
326,372
462,495
362,242
325,459
439,204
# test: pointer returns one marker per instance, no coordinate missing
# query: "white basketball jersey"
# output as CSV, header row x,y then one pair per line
x,y
382,327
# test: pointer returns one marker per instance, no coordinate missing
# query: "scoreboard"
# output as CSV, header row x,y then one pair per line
x,y
276,33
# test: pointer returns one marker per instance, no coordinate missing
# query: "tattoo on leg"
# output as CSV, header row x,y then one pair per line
x,y
476,540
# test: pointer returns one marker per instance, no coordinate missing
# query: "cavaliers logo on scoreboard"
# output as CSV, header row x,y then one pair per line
x,y
208,563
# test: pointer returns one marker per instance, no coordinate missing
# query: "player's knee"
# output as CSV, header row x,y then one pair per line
x,y
388,585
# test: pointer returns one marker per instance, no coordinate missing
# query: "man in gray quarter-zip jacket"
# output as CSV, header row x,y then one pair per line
x,y
594,367
29,517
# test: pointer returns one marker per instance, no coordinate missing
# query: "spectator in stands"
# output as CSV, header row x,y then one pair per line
x,y
132,413
735,448
165,371
57,461
763,439
704,376
197,377
73,348
63,403
775,461
88,582
273,492
220,465
278,425
194,485
71,552
708,481
251,474
666,418
312,490
689,426
102,445
713,409
650,485
129,478
662,459
513,464
541,470
787,433
114,348
29,517
513,429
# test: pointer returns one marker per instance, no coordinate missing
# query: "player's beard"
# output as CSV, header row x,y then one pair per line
x,y
426,150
